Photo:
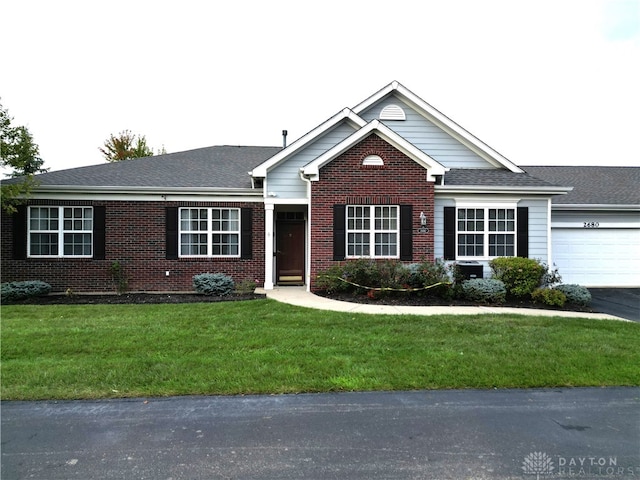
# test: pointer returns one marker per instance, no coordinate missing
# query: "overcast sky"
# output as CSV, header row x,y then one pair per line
x,y
542,82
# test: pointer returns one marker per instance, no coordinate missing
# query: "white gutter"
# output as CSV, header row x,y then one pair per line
x,y
594,206
461,189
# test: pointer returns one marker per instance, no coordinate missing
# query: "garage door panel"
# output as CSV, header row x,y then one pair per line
x,y
597,257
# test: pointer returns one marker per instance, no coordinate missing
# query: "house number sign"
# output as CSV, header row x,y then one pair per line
x,y
590,224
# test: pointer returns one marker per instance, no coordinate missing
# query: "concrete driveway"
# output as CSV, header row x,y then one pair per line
x,y
620,302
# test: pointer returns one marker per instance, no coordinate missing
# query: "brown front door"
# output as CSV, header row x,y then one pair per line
x,y
290,252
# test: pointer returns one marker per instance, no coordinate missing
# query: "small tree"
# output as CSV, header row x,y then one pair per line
x,y
19,152
125,146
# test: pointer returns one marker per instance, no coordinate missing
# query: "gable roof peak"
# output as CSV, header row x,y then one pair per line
x,y
441,121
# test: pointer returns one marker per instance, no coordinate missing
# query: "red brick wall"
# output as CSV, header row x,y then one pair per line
x,y
401,181
135,237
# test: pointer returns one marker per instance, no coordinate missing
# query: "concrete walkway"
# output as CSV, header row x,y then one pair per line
x,y
300,297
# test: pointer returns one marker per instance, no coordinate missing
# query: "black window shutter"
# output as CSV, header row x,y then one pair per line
x,y
20,233
99,232
246,233
406,232
339,233
172,233
449,233
523,232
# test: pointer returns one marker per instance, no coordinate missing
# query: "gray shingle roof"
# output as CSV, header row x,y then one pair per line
x,y
224,167
493,178
593,185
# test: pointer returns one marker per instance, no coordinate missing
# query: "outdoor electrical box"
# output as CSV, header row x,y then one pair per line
x,y
470,270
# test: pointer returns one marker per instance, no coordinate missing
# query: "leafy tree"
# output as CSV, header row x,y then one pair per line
x,y
125,146
21,154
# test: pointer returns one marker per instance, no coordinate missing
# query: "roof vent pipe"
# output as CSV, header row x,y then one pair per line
x,y
284,138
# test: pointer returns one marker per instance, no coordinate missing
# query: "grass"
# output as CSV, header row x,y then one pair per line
x,y
261,346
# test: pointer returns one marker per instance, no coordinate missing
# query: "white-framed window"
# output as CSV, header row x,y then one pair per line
x,y
373,231
60,231
209,232
485,232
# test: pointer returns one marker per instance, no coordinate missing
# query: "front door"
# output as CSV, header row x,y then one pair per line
x,y
290,252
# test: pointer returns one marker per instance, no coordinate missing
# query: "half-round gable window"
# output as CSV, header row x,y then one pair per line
x,y
371,160
392,112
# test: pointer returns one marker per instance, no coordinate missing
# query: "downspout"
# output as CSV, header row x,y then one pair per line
x,y
307,256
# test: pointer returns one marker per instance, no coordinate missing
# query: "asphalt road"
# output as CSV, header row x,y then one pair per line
x,y
494,434
621,302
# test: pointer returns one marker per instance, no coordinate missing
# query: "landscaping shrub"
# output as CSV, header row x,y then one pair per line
x,y
330,281
521,276
550,277
484,290
576,294
549,296
246,287
20,290
363,275
213,284
427,273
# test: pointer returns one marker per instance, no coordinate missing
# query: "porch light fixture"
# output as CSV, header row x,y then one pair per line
x,y
423,219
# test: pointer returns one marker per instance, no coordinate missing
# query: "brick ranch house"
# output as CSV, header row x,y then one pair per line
x,y
391,177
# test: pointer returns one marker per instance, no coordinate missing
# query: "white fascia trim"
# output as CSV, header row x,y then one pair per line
x,y
148,194
442,121
346,114
594,206
312,170
457,189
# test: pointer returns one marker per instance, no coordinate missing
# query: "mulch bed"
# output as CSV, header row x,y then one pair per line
x,y
134,298
159,298
433,300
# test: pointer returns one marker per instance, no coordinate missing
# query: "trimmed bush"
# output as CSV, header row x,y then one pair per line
x,y
549,296
576,294
521,276
484,290
246,287
13,291
363,275
217,284
427,273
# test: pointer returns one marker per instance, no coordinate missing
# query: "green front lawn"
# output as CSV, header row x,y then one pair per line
x,y
262,346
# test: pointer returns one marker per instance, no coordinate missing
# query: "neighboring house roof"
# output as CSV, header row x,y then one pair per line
x,y
593,186
219,167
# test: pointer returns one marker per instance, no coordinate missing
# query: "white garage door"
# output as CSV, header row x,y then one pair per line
x,y
596,257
